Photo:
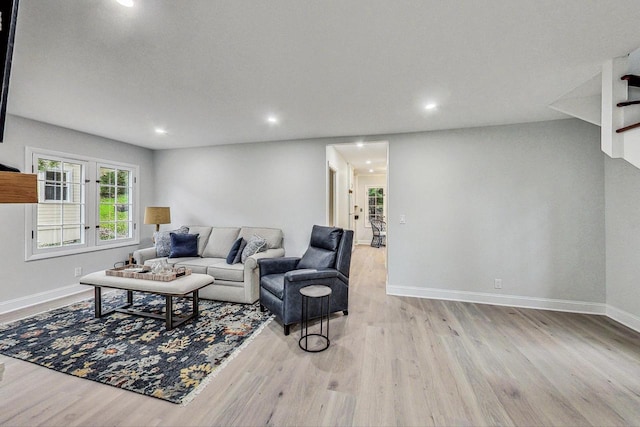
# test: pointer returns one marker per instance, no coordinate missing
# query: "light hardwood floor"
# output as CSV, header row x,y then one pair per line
x,y
392,361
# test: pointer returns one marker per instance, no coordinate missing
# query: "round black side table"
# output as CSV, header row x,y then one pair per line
x,y
323,293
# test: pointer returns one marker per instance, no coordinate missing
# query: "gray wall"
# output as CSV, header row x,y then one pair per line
x,y
623,235
20,278
277,184
523,203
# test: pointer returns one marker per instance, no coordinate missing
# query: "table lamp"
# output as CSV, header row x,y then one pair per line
x,y
157,215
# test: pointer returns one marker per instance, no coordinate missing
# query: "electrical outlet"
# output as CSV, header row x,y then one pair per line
x,y
403,219
497,284
78,271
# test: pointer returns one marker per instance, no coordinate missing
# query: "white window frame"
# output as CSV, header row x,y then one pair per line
x,y
91,211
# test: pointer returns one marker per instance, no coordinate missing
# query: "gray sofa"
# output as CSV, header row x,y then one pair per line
x,y
238,282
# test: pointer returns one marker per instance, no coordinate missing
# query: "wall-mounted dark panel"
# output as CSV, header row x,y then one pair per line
x,y
8,19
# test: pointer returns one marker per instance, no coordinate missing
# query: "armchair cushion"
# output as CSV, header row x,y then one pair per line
x,y
316,257
326,237
273,283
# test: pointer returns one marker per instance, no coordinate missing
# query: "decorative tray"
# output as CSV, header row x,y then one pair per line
x,y
134,271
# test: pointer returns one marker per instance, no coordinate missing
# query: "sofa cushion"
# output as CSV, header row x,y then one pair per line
x,y
233,252
204,232
273,236
228,272
317,258
170,261
183,245
220,242
254,245
162,240
273,283
200,265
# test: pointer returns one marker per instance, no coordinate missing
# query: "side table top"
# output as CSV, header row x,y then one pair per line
x,y
316,291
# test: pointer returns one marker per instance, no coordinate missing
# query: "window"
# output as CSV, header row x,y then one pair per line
x,y
83,205
115,206
375,204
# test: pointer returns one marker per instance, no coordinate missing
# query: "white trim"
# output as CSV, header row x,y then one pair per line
x,y
629,320
498,299
41,297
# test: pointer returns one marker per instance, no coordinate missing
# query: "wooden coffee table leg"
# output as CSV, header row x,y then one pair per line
x,y
130,297
97,303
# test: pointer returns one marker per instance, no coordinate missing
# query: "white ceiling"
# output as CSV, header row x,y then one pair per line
x,y
211,71
366,158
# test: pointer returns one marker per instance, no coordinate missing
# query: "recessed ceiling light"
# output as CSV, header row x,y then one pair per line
x,y
368,162
126,3
371,170
272,119
360,144
431,106
161,131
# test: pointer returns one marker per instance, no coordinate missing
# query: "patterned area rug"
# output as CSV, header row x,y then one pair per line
x,y
132,352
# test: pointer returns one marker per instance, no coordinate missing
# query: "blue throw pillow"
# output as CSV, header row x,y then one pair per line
x,y
238,257
234,250
162,240
183,245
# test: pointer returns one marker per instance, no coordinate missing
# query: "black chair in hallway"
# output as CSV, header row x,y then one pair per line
x,y
326,262
379,229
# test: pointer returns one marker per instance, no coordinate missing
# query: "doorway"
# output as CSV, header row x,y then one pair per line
x,y
354,170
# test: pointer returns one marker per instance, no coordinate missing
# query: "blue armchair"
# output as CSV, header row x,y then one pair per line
x,y
326,262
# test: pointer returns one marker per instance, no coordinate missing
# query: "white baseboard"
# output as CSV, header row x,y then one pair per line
x,y
629,320
41,297
499,299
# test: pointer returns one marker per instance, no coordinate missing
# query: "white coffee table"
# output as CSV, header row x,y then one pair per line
x,y
180,287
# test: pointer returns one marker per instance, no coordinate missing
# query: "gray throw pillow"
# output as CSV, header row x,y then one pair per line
x,y
254,245
163,240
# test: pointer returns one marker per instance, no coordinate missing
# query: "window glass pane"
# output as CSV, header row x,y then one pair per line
x,y
74,173
107,212
107,231
123,195
123,178
72,234
122,229
107,176
49,236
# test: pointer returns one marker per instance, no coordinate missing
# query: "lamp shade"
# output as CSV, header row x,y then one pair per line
x,y
157,215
